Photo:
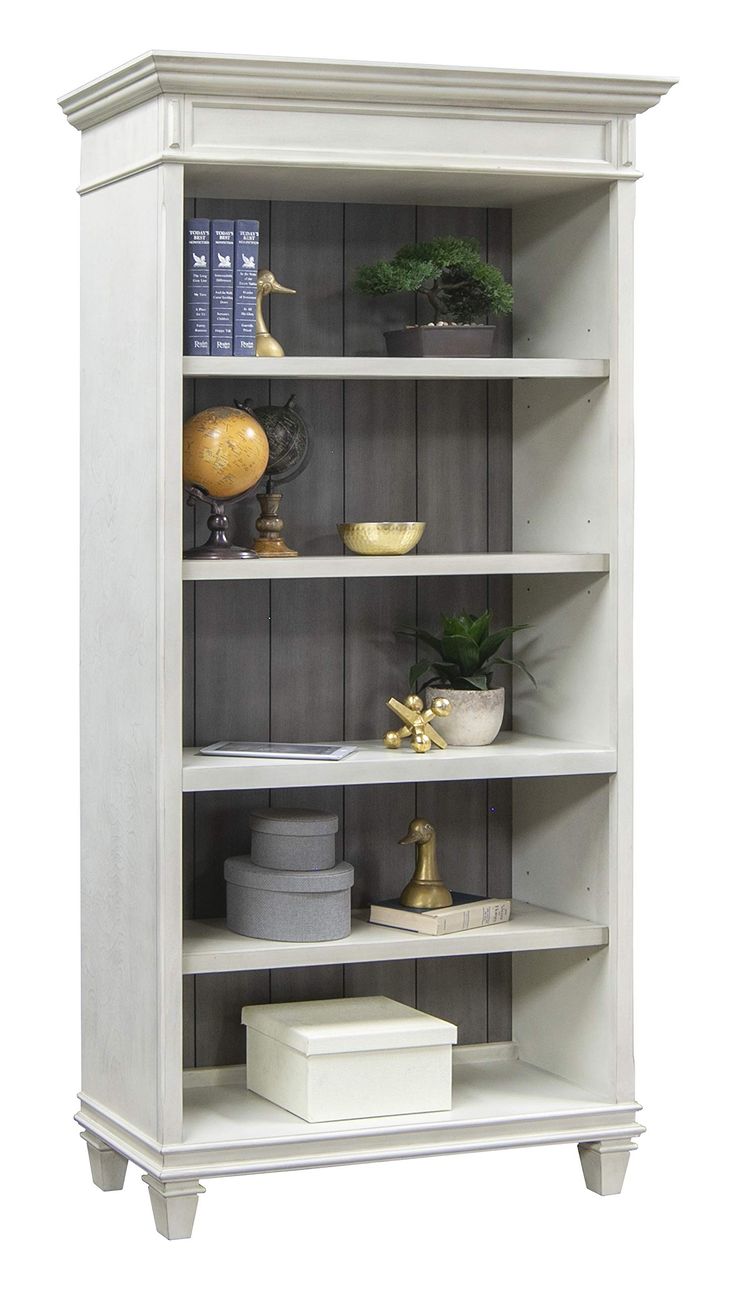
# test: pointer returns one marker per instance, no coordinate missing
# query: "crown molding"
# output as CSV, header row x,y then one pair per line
x,y
338,85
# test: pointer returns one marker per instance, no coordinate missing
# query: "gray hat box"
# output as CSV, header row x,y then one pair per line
x,y
288,905
293,839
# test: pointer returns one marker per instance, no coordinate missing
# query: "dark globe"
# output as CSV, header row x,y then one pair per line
x,y
289,439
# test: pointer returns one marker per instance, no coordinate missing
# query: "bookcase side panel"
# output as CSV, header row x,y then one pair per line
x,y
573,1012
621,843
131,650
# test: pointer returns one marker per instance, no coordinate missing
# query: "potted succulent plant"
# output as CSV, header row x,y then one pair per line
x,y
462,290
467,653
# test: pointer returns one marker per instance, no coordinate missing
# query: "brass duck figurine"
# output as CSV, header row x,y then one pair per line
x,y
266,345
426,889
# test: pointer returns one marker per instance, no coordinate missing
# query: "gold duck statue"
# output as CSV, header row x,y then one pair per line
x,y
266,345
426,889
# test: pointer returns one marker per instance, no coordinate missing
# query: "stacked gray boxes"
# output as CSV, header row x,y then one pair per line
x,y
290,888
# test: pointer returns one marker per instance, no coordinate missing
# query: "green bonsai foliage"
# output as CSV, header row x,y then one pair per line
x,y
467,653
448,272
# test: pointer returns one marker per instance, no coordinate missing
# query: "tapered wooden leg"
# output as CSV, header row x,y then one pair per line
x,y
604,1164
108,1166
174,1205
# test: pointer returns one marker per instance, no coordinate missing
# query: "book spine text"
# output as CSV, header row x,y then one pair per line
x,y
197,287
222,287
246,275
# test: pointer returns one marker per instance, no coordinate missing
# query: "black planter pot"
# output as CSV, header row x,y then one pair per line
x,y
440,342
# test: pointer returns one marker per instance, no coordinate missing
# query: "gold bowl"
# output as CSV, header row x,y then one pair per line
x,y
392,538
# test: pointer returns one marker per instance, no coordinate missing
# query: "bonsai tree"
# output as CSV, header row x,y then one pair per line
x,y
449,272
467,652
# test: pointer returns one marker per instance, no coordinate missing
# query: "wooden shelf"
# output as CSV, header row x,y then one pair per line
x,y
210,947
491,1087
512,756
398,369
393,566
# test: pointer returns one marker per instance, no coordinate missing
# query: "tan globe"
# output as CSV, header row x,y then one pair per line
x,y
225,452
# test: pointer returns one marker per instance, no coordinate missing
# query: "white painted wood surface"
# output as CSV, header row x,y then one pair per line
x,y
131,649
174,1206
108,1167
498,1101
388,566
510,756
482,1090
210,947
330,81
604,1164
399,369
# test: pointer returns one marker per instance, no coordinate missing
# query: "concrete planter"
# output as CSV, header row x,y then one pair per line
x,y
440,342
475,718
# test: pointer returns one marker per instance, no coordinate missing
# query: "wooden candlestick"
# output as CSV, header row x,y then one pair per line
x,y
269,525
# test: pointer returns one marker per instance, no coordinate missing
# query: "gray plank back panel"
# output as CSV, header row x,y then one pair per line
x,y
381,450
451,457
307,619
220,1035
380,484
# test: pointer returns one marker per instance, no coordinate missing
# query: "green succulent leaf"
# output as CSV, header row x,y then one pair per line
x,y
516,662
479,627
463,651
417,671
493,643
450,671
418,633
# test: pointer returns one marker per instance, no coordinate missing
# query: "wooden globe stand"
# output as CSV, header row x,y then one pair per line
x,y
218,545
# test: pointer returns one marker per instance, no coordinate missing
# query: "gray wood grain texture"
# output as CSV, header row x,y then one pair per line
x,y
307,619
380,450
220,1034
451,457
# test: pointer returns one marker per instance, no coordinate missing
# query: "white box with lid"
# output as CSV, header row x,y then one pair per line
x,y
346,1059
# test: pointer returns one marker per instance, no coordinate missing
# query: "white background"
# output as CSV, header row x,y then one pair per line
x,y
519,1218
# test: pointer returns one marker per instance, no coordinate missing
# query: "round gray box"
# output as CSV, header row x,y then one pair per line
x,y
281,905
293,838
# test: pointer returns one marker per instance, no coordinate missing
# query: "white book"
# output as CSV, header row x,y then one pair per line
x,y
464,913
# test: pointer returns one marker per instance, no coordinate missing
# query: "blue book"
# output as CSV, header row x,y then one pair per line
x,y
196,287
221,287
246,281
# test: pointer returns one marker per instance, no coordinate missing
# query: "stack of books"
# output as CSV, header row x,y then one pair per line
x,y
220,280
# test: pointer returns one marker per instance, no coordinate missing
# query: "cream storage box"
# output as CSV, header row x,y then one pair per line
x,y
348,1059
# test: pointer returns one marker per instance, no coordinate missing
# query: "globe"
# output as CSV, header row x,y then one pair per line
x,y
288,438
225,452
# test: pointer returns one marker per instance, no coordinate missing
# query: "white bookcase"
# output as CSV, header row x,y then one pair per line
x,y
358,153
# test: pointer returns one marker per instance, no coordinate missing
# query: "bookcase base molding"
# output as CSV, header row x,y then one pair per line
x,y
229,1131
521,467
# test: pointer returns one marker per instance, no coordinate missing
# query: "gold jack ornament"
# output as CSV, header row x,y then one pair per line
x,y
426,889
417,723
266,346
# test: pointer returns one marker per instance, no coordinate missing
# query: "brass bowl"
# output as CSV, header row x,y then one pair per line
x,y
392,538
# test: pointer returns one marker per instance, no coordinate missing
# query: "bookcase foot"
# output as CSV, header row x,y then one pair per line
x,y
174,1205
108,1166
604,1164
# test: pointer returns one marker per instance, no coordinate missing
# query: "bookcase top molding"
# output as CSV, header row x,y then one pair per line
x,y
339,85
